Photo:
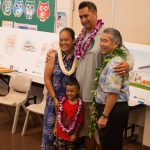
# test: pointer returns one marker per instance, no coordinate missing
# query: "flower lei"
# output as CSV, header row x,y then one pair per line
x,y
62,66
81,49
68,130
94,115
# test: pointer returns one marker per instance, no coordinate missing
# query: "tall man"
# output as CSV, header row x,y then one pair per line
x,y
89,58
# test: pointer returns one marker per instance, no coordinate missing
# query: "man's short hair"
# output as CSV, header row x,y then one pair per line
x,y
90,5
116,36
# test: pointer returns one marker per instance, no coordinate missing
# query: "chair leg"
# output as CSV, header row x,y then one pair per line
x,y
24,107
40,119
25,123
35,99
15,119
9,113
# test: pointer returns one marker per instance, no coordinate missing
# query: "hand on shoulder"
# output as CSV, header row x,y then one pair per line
x,y
122,69
50,55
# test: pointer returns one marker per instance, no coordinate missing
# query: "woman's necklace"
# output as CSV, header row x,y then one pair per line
x,y
68,129
93,118
62,66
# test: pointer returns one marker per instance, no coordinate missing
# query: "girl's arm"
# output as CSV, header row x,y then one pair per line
x,y
79,123
55,128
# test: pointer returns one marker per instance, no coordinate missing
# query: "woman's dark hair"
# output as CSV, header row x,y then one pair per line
x,y
90,5
70,31
73,81
116,36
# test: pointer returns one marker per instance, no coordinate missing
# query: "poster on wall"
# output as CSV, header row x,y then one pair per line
x,y
32,12
0,4
25,26
140,75
29,9
21,51
8,24
18,8
61,21
43,11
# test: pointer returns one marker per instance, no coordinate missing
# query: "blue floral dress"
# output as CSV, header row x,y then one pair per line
x,y
59,80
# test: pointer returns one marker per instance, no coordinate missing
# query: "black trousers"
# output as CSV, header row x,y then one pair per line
x,y
111,137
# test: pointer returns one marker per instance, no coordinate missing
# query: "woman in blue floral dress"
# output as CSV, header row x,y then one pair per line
x,y
58,69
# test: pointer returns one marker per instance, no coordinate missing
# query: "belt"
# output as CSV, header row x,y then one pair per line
x,y
116,103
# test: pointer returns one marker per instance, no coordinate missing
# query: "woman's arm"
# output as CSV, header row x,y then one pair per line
x,y
49,68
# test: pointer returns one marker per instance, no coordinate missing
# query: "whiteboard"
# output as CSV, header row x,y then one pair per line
x,y
140,75
25,50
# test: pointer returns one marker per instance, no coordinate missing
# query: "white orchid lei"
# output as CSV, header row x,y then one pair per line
x,y
62,66
81,49
70,129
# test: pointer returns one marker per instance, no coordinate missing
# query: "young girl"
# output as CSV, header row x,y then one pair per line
x,y
69,117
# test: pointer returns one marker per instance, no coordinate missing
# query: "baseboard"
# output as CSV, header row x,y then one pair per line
x,y
146,147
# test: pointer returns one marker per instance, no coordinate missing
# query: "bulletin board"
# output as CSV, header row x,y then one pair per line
x,y
40,13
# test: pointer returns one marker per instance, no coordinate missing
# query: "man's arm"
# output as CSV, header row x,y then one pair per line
x,y
129,57
124,67
110,102
48,55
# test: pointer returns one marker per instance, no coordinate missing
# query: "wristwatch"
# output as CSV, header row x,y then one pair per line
x,y
104,115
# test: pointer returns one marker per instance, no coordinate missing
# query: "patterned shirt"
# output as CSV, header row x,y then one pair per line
x,y
110,82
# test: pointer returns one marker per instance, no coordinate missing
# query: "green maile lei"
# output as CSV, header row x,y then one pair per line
x,y
94,115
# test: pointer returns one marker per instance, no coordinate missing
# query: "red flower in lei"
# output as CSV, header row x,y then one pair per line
x,y
81,49
68,130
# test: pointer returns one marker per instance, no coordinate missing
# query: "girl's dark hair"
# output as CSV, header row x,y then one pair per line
x,y
73,81
70,31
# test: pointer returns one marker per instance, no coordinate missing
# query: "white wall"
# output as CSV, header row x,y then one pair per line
x,y
131,17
